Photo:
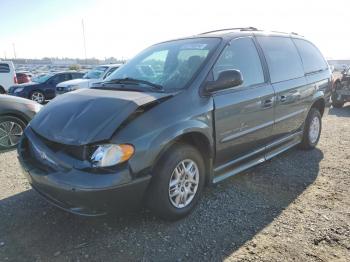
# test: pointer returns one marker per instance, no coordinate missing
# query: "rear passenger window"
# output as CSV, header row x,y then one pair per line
x,y
241,55
282,58
312,58
4,68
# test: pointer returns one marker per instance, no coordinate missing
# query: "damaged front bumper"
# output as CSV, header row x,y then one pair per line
x,y
81,192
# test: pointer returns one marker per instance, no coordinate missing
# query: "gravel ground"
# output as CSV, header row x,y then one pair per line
x,y
295,207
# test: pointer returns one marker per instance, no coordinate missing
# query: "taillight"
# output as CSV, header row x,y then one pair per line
x,y
15,79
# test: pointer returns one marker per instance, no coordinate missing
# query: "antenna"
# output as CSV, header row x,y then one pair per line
x,y
84,40
14,50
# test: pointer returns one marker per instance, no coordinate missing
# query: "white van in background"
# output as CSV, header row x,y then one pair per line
x,y
7,76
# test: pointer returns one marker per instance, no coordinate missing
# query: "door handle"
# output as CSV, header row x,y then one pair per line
x,y
268,103
283,99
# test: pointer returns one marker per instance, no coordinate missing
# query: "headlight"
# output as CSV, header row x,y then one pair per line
x,y
110,155
19,89
72,88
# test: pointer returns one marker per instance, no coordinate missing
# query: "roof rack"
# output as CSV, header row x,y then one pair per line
x,y
250,28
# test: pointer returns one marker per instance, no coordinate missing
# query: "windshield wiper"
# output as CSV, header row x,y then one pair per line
x,y
129,80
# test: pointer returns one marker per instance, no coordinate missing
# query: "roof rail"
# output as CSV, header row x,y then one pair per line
x,y
291,33
250,28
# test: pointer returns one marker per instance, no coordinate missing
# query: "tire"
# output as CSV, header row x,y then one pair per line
x,y
38,97
2,90
158,195
310,136
9,142
335,102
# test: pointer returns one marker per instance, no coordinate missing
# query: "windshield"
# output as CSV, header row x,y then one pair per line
x,y
170,65
42,78
95,73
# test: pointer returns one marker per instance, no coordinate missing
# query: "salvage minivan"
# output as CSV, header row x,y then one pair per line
x,y
181,115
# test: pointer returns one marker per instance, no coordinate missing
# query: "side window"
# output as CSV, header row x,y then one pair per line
x,y
60,78
68,77
110,72
241,55
4,68
282,58
312,58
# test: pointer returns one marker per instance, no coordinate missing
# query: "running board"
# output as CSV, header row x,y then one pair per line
x,y
257,161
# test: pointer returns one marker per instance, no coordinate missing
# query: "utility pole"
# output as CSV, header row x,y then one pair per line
x,y
84,40
14,50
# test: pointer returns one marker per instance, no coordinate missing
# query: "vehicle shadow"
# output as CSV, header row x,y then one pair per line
x,y
341,112
228,215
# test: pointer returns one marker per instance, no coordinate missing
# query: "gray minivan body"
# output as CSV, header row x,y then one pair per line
x,y
232,128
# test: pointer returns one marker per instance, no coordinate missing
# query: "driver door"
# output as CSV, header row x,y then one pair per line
x,y
244,115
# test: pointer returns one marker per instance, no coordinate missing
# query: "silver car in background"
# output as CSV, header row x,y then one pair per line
x,y
96,75
15,114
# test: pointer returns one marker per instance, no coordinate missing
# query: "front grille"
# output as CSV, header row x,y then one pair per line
x,y
79,152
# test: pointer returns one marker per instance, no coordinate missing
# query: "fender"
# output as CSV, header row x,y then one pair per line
x,y
151,148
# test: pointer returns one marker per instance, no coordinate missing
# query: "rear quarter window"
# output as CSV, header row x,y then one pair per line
x,y
4,68
312,58
282,58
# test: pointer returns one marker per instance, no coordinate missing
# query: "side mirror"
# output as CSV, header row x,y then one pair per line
x,y
226,79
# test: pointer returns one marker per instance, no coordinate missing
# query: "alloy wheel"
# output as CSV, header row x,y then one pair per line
x,y
183,183
38,97
314,130
10,133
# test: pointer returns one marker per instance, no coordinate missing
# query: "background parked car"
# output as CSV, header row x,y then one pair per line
x,y
23,78
44,86
341,89
96,75
15,114
7,76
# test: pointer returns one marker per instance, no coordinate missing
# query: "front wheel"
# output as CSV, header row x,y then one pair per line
x,y
11,130
177,183
38,97
312,130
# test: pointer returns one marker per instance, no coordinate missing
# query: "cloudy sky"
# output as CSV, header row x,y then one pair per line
x,y
40,28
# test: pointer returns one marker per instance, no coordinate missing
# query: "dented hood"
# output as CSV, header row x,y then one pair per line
x,y
88,115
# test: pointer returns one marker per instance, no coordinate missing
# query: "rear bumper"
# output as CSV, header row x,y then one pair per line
x,y
82,192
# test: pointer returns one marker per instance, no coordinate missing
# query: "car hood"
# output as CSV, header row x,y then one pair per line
x,y
15,99
78,82
88,115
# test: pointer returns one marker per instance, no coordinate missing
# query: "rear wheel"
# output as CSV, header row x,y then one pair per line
x,y
11,130
38,97
312,130
177,183
2,90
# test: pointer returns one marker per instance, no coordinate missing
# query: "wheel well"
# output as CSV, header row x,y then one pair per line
x,y
200,142
25,121
319,105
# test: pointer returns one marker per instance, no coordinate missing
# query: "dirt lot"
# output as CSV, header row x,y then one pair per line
x,y
293,208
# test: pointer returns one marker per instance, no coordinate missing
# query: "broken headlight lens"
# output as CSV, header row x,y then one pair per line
x,y
110,155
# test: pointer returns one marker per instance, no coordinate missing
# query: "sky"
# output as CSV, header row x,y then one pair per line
x,y
114,28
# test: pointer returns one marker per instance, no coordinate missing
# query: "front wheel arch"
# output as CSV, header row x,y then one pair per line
x,y
198,140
